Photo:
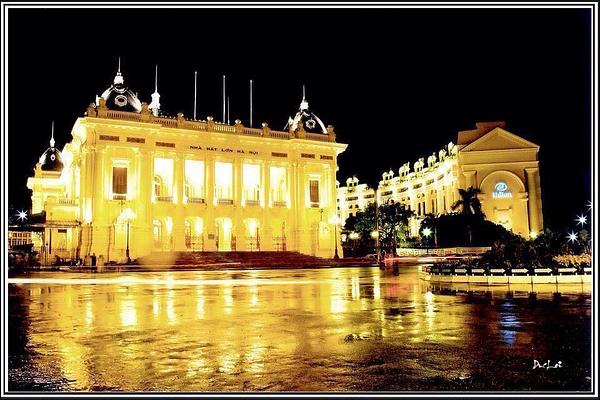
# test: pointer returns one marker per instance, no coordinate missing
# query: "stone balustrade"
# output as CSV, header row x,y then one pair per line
x,y
101,111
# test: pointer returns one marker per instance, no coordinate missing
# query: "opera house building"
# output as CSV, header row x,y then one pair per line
x,y
132,181
502,165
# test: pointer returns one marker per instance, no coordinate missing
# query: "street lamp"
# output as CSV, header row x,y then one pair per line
x,y
354,237
427,233
127,216
335,220
375,235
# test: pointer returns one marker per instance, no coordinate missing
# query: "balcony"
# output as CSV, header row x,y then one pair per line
x,y
224,195
119,197
195,200
279,203
252,197
164,199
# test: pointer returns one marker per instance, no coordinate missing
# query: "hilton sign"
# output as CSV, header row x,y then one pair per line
x,y
501,191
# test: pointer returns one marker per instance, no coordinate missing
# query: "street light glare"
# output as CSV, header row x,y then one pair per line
x,y
581,219
22,215
572,237
427,232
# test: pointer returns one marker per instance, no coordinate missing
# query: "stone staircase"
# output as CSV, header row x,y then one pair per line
x,y
239,259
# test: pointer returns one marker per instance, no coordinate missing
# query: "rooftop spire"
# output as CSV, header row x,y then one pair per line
x,y
156,79
303,103
154,105
195,92
52,137
118,78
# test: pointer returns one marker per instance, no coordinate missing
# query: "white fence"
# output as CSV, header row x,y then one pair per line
x,y
417,252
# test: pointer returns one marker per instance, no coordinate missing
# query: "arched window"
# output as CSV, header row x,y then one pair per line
x,y
157,233
158,185
187,188
188,234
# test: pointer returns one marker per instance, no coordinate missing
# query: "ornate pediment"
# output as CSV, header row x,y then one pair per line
x,y
499,139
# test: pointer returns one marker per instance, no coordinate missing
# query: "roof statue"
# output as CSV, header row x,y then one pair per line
x,y
309,121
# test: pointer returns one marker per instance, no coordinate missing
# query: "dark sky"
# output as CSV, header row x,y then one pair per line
x,y
397,84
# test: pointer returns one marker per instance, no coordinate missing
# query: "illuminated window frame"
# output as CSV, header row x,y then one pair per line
x,y
120,163
166,191
251,195
199,194
277,201
223,196
310,202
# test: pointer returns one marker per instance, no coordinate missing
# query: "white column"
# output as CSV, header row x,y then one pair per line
x,y
534,203
178,217
209,190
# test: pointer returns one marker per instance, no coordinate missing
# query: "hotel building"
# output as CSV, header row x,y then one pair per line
x,y
132,181
504,166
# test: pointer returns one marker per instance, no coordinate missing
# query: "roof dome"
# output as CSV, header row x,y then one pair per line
x,y
51,160
119,97
307,118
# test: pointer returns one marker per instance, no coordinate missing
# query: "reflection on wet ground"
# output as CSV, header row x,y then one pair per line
x,y
340,329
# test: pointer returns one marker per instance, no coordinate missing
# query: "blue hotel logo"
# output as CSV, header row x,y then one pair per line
x,y
501,191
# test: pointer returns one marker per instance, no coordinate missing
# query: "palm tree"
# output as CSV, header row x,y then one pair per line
x,y
469,202
470,206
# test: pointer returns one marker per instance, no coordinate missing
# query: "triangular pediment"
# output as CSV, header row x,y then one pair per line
x,y
499,139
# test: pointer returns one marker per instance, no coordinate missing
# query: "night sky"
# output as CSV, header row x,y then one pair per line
x,y
397,84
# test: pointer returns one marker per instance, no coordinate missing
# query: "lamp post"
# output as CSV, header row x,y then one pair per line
x,y
127,215
353,236
375,235
335,220
427,233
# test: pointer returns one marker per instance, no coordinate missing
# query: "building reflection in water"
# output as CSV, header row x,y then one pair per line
x,y
206,330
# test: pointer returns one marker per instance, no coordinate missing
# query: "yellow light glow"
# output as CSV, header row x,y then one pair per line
x,y
198,226
251,174
223,180
278,183
200,302
87,212
169,225
335,220
126,215
194,177
128,313
252,224
533,234
163,170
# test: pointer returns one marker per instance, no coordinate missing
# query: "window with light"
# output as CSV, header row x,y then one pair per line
x,y
278,184
251,179
163,179
194,181
119,182
224,182
313,185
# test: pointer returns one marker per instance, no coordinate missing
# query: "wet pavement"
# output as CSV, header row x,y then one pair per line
x,y
340,329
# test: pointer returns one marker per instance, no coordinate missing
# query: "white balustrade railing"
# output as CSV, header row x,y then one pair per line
x,y
204,126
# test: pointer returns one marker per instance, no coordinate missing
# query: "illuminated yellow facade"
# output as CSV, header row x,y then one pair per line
x,y
502,165
133,179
